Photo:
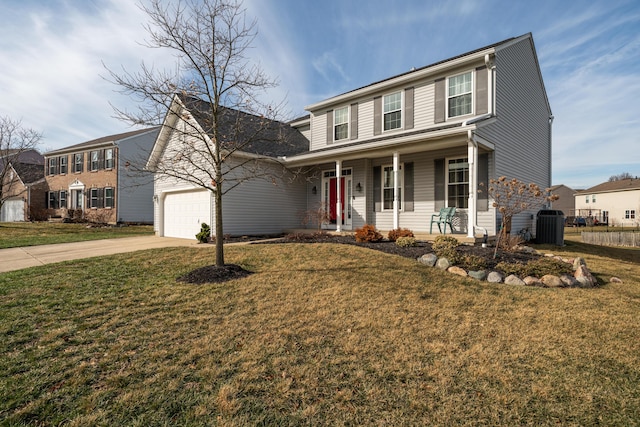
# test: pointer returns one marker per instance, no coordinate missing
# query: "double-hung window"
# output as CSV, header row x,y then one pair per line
x,y
63,164
93,198
63,199
108,197
392,111
459,95
341,123
458,183
52,202
387,187
586,200
94,160
52,165
108,158
78,158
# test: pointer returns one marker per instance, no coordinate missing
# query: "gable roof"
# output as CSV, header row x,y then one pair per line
x,y
29,173
417,72
612,186
105,140
264,136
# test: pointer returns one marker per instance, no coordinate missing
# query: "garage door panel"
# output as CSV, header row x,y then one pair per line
x,y
12,210
184,212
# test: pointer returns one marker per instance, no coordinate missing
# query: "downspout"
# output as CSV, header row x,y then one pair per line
x,y
550,149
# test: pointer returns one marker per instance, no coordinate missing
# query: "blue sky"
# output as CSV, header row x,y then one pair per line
x,y
52,54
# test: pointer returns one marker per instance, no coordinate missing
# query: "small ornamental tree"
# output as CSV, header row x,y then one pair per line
x,y
512,197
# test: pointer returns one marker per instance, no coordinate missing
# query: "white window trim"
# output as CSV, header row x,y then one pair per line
x,y
113,199
97,162
91,198
347,122
401,187
402,112
446,180
473,91
75,162
105,159
66,165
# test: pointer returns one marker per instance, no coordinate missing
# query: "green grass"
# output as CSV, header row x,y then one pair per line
x,y
17,234
320,335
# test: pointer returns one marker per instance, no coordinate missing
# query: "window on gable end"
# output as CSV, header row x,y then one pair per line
x,y
392,111
459,95
341,123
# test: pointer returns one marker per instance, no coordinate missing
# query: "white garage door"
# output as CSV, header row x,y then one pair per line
x,y
12,210
184,212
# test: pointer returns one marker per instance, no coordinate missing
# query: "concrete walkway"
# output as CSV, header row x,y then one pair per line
x,y
31,256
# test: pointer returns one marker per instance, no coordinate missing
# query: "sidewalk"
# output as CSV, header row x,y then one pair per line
x,y
30,256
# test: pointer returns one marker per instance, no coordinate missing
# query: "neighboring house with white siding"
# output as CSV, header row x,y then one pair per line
x,y
98,180
401,149
616,203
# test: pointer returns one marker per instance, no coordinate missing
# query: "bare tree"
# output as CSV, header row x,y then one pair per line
x,y
212,99
15,141
620,176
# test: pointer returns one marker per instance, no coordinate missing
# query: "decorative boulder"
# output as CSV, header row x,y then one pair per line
x,y
443,264
552,281
495,277
478,275
428,259
532,281
569,281
615,280
512,279
577,262
585,277
457,270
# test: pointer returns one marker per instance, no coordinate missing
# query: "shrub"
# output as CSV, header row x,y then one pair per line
x,y
473,262
406,241
399,232
537,268
204,234
445,247
368,233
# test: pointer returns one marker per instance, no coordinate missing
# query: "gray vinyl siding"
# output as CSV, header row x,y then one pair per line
x,y
521,133
134,193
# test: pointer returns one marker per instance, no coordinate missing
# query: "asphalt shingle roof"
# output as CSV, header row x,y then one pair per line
x,y
610,186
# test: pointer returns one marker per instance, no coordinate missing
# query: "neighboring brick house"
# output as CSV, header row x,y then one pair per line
x,y
99,180
23,187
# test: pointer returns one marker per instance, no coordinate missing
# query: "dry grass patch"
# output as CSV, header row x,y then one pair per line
x,y
321,334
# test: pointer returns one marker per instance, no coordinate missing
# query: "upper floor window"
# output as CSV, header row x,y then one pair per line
x,y
459,95
593,198
458,183
63,164
95,160
630,214
586,199
388,185
108,158
341,123
52,165
78,158
392,111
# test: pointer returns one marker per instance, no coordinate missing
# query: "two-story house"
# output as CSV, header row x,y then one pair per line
x,y
394,152
99,180
616,203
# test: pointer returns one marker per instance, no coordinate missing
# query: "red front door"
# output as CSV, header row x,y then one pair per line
x,y
333,198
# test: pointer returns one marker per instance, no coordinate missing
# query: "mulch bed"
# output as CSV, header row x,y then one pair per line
x,y
213,274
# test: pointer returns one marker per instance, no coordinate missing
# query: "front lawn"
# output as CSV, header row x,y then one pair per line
x,y
17,234
321,334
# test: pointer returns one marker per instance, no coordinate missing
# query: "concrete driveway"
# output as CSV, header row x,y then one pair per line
x,y
31,256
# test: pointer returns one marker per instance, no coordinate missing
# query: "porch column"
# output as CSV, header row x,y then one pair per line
x,y
396,188
338,196
472,155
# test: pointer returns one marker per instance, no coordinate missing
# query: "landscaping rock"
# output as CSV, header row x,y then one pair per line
x,y
532,281
478,275
512,279
428,259
443,264
552,281
569,281
577,262
495,277
615,280
457,270
584,277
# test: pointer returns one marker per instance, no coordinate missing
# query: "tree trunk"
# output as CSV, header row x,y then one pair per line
x,y
219,231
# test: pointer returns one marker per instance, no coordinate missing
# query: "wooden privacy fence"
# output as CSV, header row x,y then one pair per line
x,y
613,238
